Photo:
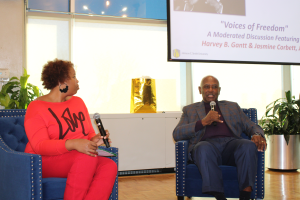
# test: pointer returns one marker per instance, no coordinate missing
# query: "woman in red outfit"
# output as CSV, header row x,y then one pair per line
x,y
59,128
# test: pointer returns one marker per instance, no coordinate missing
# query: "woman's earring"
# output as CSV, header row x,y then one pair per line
x,y
65,90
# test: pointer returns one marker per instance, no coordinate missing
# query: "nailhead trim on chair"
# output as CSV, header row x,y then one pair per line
x,y
177,169
19,113
254,119
117,193
40,178
3,143
263,175
117,181
178,181
32,186
10,150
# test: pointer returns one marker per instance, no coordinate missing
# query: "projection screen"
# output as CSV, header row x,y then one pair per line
x,y
235,31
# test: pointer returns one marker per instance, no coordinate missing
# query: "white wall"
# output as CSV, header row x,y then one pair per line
x,y
11,36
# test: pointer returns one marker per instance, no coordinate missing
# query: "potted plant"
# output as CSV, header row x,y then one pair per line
x,y
17,93
281,124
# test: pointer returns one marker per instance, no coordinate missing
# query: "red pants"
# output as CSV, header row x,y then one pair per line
x,y
87,177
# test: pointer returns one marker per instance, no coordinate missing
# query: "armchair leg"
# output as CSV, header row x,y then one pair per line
x,y
180,197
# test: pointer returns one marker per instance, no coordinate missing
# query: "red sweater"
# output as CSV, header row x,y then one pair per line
x,y
48,125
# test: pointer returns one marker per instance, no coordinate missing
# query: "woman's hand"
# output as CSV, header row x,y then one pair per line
x,y
99,139
82,145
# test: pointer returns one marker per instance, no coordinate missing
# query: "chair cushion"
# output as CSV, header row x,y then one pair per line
x,y
53,188
13,132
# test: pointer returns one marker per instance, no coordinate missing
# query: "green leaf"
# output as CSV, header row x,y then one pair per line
x,y
4,88
36,91
4,100
268,110
272,128
282,115
288,96
285,124
12,104
12,89
17,103
13,78
287,139
13,83
276,108
23,81
23,98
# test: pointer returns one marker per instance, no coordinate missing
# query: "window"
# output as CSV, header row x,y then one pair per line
x,y
295,72
251,86
46,40
107,56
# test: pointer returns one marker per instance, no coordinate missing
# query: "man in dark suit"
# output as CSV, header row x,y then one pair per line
x,y
215,139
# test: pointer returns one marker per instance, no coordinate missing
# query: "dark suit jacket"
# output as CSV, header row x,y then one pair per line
x,y
235,118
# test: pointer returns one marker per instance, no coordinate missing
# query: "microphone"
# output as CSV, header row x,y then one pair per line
x,y
212,107
101,128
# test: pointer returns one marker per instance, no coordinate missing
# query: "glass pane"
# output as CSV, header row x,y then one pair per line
x,y
296,81
46,40
109,56
53,5
153,9
251,86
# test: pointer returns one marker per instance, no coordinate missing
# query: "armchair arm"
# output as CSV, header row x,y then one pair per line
x,y
181,148
20,174
114,193
260,176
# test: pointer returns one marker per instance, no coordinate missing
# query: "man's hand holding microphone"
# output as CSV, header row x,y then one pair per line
x,y
212,116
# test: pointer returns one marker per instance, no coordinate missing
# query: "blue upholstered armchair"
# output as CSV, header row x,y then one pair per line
x,y
189,180
21,173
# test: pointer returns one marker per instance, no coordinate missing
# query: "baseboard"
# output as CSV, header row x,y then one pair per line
x,y
146,172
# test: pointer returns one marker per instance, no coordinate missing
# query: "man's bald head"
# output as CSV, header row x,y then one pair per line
x,y
209,77
209,89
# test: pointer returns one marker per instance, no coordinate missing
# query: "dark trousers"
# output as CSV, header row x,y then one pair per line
x,y
211,153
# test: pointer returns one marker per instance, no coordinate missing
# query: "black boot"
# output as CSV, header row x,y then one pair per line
x,y
218,195
245,195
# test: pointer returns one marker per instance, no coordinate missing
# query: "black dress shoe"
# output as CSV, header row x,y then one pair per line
x,y
245,195
218,195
